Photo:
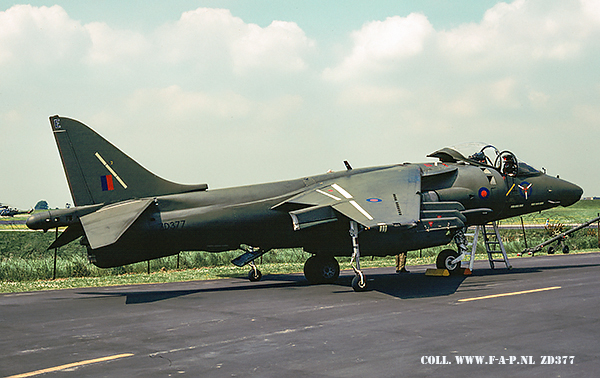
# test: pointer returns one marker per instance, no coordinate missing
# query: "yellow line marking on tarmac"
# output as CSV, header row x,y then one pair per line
x,y
71,365
509,294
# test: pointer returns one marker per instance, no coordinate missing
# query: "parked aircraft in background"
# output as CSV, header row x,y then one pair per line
x,y
6,211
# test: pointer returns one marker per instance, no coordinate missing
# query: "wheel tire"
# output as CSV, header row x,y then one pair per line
x,y
358,284
320,270
254,276
443,261
310,270
550,250
566,249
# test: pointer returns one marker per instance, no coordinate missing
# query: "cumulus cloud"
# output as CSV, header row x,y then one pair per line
x,y
230,86
110,46
514,58
203,37
521,33
517,34
40,36
214,36
382,45
281,45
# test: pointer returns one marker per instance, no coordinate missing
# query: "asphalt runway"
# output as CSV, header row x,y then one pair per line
x,y
406,325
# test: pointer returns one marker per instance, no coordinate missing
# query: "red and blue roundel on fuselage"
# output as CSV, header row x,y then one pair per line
x,y
484,193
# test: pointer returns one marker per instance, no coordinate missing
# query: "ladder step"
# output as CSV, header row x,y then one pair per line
x,y
491,239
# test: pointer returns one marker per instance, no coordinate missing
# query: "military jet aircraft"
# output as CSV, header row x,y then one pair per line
x,y
125,214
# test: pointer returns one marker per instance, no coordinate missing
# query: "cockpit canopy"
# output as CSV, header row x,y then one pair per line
x,y
486,155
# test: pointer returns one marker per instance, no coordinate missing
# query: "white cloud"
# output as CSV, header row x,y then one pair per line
x,y
538,98
215,37
206,38
281,45
114,46
591,8
381,46
249,97
521,33
373,95
201,110
40,36
176,104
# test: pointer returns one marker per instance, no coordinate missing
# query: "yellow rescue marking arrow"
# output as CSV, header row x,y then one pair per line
x,y
509,294
71,365
510,190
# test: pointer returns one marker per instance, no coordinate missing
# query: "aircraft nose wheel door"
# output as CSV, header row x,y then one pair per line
x,y
359,283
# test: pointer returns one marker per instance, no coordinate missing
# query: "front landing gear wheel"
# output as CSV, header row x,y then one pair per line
x,y
444,259
359,283
254,275
321,269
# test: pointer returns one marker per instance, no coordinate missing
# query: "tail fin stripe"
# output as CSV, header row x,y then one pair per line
x,y
112,172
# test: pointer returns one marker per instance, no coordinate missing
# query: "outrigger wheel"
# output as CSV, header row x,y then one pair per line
x,y
444,261
321,269
359,283
254,275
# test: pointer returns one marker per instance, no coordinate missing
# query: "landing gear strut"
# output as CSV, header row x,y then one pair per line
x,y
251,254
254,275
450,259
445,260
359,283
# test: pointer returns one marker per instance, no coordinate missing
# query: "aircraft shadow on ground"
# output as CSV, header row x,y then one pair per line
x,y
148,296
406,286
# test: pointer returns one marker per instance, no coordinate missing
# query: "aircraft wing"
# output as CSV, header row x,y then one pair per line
x,y
389,196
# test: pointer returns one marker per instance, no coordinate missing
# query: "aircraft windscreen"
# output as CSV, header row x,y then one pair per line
x,y
487,154
483,153
527,170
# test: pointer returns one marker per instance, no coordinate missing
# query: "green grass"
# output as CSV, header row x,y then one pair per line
x,y
26,265
580,212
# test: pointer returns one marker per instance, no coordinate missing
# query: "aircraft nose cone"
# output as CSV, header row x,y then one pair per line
x,y
569,193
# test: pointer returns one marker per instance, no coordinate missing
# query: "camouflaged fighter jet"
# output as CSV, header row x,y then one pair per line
x,y
125,214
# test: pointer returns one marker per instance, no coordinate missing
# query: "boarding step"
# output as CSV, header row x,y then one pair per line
x,y
491,240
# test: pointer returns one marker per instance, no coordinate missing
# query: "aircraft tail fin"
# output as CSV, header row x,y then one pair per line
x,y
98,172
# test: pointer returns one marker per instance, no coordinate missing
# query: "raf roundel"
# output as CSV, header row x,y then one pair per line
x,y
374,199
484,193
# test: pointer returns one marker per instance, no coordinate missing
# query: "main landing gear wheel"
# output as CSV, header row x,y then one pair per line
x,y
444,259
321,269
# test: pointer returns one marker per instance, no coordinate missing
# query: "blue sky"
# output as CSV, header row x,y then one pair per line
x,y
241,92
